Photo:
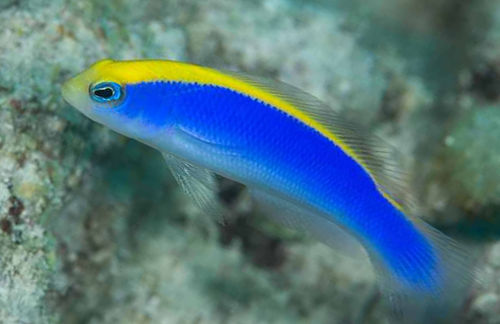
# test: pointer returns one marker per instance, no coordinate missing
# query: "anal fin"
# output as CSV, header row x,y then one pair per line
x,y
305,219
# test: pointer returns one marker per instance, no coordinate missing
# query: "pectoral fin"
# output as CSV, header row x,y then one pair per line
x,y
197,182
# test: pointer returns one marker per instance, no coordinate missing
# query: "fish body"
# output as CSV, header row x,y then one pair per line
x,y
259,145
288,149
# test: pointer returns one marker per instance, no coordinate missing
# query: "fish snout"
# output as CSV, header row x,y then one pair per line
x,y
75,92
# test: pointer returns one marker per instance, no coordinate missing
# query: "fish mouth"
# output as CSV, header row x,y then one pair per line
x,y
66,91
75,95
69,93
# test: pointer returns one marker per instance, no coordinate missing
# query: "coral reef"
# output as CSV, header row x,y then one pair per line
x,y
92,227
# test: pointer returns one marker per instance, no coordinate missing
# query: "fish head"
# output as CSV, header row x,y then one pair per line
x,y
103,93
92,91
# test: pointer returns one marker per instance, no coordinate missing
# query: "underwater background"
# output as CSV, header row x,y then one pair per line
x,y
93,228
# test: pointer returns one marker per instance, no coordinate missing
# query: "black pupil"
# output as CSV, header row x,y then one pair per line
x,y
104,93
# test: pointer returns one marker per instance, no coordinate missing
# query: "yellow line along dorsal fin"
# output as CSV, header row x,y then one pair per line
x,y
377,157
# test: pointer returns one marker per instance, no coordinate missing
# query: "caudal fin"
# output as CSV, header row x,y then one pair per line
x,y
440,297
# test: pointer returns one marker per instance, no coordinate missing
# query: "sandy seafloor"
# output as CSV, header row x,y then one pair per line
x,y
93,228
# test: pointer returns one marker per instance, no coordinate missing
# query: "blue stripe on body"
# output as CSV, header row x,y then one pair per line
x,y
291,157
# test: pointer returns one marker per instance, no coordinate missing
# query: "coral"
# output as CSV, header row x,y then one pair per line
x,y
473,161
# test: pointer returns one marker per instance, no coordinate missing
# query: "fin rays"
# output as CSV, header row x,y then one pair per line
x,y
199,183
304,219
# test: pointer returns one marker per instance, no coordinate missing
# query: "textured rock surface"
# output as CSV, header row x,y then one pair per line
x,y
92,229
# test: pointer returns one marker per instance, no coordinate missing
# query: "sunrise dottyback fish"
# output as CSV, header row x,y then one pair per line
x,y
298,158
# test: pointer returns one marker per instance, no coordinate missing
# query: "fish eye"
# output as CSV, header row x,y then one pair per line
x,y
105,92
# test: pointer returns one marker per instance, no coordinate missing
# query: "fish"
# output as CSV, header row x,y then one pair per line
x,y
302,162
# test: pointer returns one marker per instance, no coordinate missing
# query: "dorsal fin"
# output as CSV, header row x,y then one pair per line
x,y
377,157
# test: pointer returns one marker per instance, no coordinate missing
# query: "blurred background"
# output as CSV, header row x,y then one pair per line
x,y
94,230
